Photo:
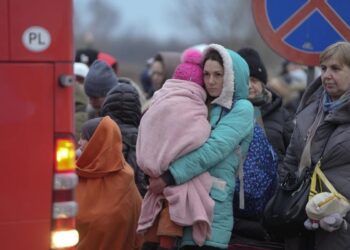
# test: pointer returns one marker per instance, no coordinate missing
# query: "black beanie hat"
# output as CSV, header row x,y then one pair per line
x,y
87,56
100,79
256,67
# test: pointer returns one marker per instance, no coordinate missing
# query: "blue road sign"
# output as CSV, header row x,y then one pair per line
x,y
300,30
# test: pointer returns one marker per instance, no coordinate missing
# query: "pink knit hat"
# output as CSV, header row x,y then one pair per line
x,y
190,68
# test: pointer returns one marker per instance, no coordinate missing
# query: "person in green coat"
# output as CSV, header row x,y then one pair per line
x,y
231,115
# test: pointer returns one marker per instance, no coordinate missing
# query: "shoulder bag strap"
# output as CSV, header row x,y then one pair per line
x,y
305,159
318,174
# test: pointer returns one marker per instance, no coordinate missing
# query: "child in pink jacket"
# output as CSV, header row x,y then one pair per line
x,y
175,124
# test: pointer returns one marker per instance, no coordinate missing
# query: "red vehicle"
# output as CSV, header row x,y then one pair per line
x,y
37,180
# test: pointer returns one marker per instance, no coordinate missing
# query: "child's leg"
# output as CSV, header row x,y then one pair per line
x,y
167,230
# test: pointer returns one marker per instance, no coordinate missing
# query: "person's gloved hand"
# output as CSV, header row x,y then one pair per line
x,y
311,225
333,222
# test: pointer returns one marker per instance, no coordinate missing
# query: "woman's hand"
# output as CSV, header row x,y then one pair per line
x,y
311,225
333,222
156,185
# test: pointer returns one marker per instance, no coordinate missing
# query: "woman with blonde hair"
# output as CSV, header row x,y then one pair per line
x,y
322,132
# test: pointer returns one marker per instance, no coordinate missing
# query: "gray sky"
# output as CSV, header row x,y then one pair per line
x,y
161,20
152,15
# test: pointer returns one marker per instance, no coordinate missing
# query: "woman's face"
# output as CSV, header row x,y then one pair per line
x,y
335,78
157,74
255,87
213,77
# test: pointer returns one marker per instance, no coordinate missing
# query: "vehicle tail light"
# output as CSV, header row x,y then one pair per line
x,y
64,207
65,155
64,239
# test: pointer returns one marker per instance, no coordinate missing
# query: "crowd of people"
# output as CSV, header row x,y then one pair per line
x,y
189,157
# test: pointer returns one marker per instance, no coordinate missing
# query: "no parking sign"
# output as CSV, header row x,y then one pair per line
x,y
300,30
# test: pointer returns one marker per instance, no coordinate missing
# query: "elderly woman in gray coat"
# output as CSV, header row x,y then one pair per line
x,y
323,117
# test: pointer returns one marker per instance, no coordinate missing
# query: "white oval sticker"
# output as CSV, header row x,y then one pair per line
x,y
36,39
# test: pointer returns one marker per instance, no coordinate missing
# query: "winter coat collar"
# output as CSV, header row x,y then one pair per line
x,y
274,105
314,93
311,94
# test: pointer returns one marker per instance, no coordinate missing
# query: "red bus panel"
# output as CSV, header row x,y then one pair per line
x,y
27,155
4,41
54,16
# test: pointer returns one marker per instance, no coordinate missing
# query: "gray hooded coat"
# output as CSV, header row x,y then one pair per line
x,y
332,142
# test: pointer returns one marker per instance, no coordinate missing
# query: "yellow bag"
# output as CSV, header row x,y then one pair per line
x,y
322,204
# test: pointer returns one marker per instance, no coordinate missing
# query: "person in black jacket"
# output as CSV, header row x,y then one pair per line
x,y
275,119
278,124
122,104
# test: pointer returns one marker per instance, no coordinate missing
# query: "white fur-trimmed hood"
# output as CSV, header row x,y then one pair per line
x,y
226,97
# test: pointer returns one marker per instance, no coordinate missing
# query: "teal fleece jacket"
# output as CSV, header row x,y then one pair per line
x,y
232,121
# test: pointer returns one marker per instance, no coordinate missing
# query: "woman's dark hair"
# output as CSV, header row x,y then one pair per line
x,y
215,56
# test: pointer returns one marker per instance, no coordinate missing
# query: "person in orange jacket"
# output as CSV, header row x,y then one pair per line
x,y
108,199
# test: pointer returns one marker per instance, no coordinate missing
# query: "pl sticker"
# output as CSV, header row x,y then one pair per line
x,y
36,39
